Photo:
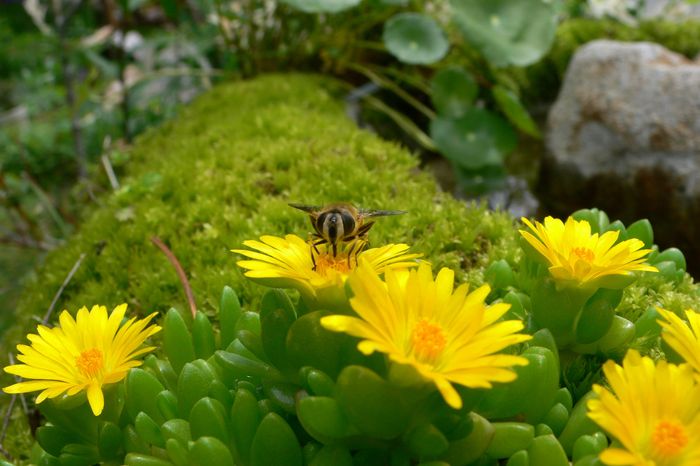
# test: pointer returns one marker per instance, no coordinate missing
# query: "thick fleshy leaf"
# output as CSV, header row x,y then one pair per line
x,y
177,341
210,451
509,438
513,109
507,32
229,312
453,91
371,404
322,6
245,418
142,388
476,139
415,39
322,418
275,444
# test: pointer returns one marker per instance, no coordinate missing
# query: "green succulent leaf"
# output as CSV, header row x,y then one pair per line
x,y
277,315
229,313
192,385
275,444
322,6
471,447
597,315
210,451
52,439
477,139
415,39
509,438
139,459
110,441
547,450
148,430
507,32
208,419
332,455
202,336
245,418
453,91
426,441
371,404
322,418
513,109
177,341
141,389
177,429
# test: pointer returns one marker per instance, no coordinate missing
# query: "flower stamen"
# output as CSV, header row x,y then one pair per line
x,y
669,438
89,362
583,254
428,340
326,262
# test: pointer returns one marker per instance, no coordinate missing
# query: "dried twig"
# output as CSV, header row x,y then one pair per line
x,y
180,273
69,277
107,164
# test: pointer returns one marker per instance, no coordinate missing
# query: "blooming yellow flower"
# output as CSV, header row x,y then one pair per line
x,y
82,354
286,263
446,336
653,412
574,254
683,338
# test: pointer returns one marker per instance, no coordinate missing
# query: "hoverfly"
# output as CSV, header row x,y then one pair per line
x,y
339,223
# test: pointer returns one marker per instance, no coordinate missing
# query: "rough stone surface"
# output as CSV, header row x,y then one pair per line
x,y
624,136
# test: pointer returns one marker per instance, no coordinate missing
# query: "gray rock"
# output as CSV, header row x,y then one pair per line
x,y
624,136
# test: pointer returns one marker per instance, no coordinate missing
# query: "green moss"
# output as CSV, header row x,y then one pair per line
x,y
224,172
541,81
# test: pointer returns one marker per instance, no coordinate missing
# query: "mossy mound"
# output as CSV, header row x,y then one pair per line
x,y
223,172
541,81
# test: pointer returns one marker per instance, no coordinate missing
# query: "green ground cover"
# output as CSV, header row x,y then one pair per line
x,y
224,171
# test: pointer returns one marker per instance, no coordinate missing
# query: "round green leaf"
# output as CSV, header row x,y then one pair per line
x,y
513,109
322,6
453,91
476,139
415,38
507,32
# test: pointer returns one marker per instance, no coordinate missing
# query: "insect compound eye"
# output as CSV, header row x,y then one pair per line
x,y
348,223
331,225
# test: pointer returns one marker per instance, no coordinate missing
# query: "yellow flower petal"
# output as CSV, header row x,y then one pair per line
x,y
652,410
446,335
576,255
287,263
84,353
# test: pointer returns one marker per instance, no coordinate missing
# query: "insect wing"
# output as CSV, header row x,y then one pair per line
x,y
381,213
309,209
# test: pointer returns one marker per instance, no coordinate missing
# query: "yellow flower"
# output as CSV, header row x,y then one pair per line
x,y
82,354
653,411
446,336
286,263
683,338
574,254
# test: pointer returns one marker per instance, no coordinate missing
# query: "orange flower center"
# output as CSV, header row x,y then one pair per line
x,y
583,254
89,362
669,438
428,340
326,263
